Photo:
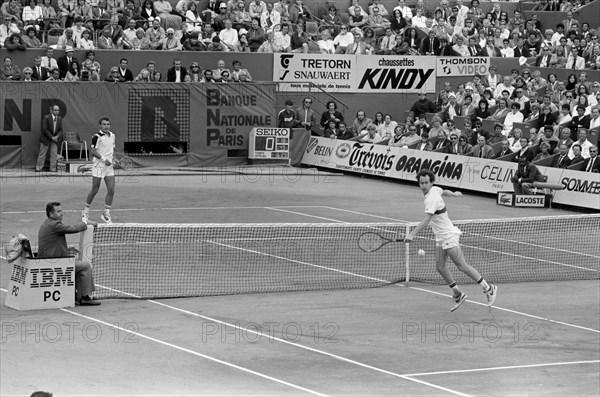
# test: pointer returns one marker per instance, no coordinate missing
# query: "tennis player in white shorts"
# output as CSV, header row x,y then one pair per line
x,y
102,151
447,239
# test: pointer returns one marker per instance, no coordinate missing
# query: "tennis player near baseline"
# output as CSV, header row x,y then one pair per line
x,y
447,239
102,150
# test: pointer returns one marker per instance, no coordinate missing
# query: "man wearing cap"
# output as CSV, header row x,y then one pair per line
x,y
452,108
171,43
65,62
287,117
525,176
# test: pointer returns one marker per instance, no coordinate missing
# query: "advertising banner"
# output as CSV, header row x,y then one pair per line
x,y
333,74
491,176
232,110
462,66
147,118
394,74
354,73
318,151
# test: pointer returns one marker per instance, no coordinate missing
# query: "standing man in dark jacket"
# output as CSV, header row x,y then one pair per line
x,y
49,139
53,244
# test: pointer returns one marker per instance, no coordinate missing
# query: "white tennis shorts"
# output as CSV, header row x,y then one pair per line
x,y
449,241
101,170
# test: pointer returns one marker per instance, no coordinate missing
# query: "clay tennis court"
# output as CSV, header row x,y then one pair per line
x,y
541,338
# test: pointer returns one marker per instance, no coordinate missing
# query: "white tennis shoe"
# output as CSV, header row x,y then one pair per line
x,y
106,218
459,300
491,294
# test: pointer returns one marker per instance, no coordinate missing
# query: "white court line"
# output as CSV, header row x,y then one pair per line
x,y
495,238
511,311
287,342
192,352
369,215
460,371
536,245
473,234
173,209
307,215
258,334
402,285
301,262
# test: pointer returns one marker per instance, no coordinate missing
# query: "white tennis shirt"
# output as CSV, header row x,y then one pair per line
x,y
440,222
104,144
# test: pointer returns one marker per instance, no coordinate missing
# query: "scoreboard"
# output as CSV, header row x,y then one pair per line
x,y
269,143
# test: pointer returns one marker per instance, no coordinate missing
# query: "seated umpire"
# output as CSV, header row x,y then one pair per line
x,y
53,244
525,176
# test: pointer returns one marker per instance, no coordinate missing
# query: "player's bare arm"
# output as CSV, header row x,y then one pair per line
x,y
94,153
422,225
450,193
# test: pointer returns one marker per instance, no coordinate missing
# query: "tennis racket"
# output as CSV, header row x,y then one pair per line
x,y
125,164
371,241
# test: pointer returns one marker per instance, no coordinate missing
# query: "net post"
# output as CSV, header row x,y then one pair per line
x,y
86,244
407,256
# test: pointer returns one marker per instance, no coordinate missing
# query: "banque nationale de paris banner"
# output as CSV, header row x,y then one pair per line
x,y
355,73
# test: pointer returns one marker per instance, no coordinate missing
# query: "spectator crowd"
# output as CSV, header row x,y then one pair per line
x,y
493,111
463,29
559,113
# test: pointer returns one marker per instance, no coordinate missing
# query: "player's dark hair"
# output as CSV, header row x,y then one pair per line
x,y
103,118
41,394
50,207
426,172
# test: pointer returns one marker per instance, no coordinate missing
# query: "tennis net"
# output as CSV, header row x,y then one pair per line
x,y
179,260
